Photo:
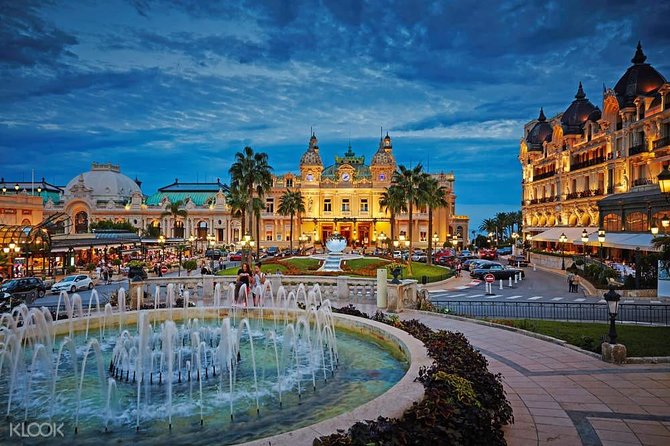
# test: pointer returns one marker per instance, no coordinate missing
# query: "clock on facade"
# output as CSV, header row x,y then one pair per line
x,y
346,177
382,177
310,177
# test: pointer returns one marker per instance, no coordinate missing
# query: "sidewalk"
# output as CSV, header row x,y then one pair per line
x,y
561,396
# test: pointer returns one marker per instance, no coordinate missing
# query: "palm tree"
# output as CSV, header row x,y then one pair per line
x,y
291,203
409,181
237,199
393,202
172,210
488,226
258,204
435,197
253,174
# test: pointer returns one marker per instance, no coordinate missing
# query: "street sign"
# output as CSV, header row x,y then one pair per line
x,y
490,278
164,269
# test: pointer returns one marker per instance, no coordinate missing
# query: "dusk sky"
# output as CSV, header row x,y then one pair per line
x,y
170,88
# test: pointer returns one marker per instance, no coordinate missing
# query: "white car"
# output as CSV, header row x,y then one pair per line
x,y
72,284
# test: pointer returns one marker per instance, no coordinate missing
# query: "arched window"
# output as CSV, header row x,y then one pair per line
x,y
612,223
636,222
179,229
81,222
202,230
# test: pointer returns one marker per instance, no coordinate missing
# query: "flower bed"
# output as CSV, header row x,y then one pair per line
x,y
464,403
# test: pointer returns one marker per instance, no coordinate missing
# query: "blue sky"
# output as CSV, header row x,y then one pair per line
x,y
170,88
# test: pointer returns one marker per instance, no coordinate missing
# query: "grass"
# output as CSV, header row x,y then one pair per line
x,y
432,272
365,263
639,340
267,269
304,264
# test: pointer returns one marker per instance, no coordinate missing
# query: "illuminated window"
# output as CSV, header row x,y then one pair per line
x,y
327,205
636,222
364,205
268,236
289,182
345,205
270,205
612,223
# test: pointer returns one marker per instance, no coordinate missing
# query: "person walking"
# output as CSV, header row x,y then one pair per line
x,y
575,284
571,281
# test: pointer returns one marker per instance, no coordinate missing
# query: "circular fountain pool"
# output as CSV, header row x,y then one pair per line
x,y
196,376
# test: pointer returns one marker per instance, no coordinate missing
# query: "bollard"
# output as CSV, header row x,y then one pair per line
x,y
516,278
501,285
534,267
510,281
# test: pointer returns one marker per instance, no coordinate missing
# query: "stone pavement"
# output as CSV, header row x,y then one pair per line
x,y
561,396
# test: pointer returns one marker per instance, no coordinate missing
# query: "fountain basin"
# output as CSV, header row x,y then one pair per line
x,y
301,413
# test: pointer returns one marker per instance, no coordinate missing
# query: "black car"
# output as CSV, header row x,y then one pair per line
x,y
213,254
137,271
28,288
498,271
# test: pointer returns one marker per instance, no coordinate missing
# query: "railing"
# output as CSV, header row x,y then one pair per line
x,y
643,181
588,163
544,175
584,194
591,312
637,149
661,143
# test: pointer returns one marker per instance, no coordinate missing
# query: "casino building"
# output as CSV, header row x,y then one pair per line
x,y
592,167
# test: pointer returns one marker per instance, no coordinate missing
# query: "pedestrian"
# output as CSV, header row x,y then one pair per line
x,y
575,285
243,278
259,280
571,281
458,269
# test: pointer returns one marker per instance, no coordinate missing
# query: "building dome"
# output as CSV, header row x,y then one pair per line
x,y
104,182
540,133
577,113
641,79
311,157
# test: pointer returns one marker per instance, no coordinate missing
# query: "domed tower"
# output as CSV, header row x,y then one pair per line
x,y
539,134
577,114
641,79
383,162
311,165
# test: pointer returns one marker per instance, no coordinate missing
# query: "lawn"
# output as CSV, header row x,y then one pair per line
x,y
366,263
303,264
432,272
639,340
270,268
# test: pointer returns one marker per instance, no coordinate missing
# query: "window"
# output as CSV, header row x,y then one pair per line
x,y
345,205
289,182
364,205
81,222
268,236
270,205
636,222
327,205
422,235
612,223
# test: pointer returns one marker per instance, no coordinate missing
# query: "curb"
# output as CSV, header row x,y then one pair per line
x,y
546,338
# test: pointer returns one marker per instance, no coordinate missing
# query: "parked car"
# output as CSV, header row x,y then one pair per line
x,y
137,271
449,261
517,260
488,254
72,284
24,287
213,254
236,256
473,264
272,251
417,255
505,251
498,271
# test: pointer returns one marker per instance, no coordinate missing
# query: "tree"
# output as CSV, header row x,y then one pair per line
x,y
409,181
172,210
393,202
489,225
258,204
435,197
252,173
291,203
237,199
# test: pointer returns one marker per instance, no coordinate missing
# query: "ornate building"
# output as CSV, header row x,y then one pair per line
x,y
584,168
345,197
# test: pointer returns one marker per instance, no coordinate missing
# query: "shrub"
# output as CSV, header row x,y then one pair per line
x,y
190,265
579,262
463,402
71,269
136,264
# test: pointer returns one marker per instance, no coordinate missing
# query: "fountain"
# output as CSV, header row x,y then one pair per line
x,y
335,246
216,374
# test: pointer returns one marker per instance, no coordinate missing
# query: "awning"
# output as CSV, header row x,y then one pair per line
x,y
574,235
63,242
624,240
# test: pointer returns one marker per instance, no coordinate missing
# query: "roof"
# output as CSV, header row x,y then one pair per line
x,y
194,187
577,113
357,162
640,195
198,198
61,242
540,133
640,79
574,234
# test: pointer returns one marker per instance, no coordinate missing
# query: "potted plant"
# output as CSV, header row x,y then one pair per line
x,y
396,270
189,265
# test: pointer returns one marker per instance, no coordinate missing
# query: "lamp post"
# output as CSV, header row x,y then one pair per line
x,y
585,240
515,237
601,240
454,242
12,249
664,180
435,240
490,234
529,239
16,188
665,222
161,242
247,244
612,298
191,239
563,239
381,238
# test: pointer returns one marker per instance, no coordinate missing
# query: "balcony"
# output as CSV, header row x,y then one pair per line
x,y
637,149
584,194
660,143
542,176
643,181
587,163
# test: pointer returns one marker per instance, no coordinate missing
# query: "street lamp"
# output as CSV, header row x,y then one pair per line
x,y
161,242
563,238
381,239
665,222
247,244
16,187
601,240
612,298
490,235
436,240
454,241
585,240
664,180
191,239
529,239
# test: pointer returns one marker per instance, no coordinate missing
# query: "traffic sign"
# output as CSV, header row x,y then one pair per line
x,y
490,278
164,269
